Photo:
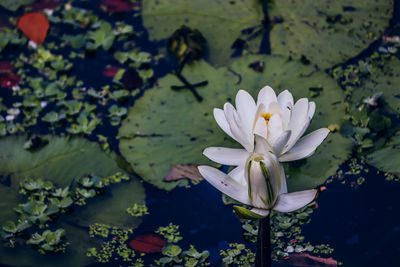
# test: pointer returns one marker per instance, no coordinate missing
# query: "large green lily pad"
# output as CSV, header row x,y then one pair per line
x,y
75,254
385,80
166,127
220,21
327,32
61,160
387,158
111,207
13,5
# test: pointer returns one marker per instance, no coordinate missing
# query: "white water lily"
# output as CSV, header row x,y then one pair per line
x,y
276,118
262,185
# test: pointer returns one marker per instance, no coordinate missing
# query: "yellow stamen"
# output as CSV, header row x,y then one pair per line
x,y
266,116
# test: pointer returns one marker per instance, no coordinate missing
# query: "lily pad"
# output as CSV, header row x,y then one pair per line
x,y
385,80
387,158
213,18
111,207
327,32
13,5
167,127
75,253
61,161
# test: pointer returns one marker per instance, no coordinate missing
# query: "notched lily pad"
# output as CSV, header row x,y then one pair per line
x,y
167,127
385,80
60,161
325,31
387,158
213,18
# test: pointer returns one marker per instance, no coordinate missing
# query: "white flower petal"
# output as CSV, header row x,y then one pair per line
x,y
275,128
266,96
246,109
283,189
225,184
293,201
285,98
246,139
276,172
226,156
238,174
311,109
260,126
298,120
219,116
280,142
274,108
261,145
260,212
305,146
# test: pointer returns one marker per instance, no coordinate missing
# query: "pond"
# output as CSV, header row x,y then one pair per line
x,y
107,106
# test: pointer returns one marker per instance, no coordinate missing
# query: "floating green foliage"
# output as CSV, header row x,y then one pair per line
x,y
170,232
11,37
238,254
61,161
212,18
158,122
384,79
286,235
114,248
173,255
326,32
48,241
138,210
387,158
13,5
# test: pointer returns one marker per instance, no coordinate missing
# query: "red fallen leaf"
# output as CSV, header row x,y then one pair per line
x,y
131,79
180,171
113,6
35,26
6,66
42,5
147,243
306,260
110,71
9,80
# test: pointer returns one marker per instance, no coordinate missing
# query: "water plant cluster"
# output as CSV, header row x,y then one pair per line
x,y
45,204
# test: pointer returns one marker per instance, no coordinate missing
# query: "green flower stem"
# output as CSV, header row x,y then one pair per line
x,y
263,253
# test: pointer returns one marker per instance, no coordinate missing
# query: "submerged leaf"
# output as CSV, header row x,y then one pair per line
x,y
113,6
305,260
35,26
148,243
9,80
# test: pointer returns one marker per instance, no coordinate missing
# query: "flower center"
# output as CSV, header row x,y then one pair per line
x,y
266,117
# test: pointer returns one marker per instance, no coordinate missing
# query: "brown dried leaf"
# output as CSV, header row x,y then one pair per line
x,y
180,171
